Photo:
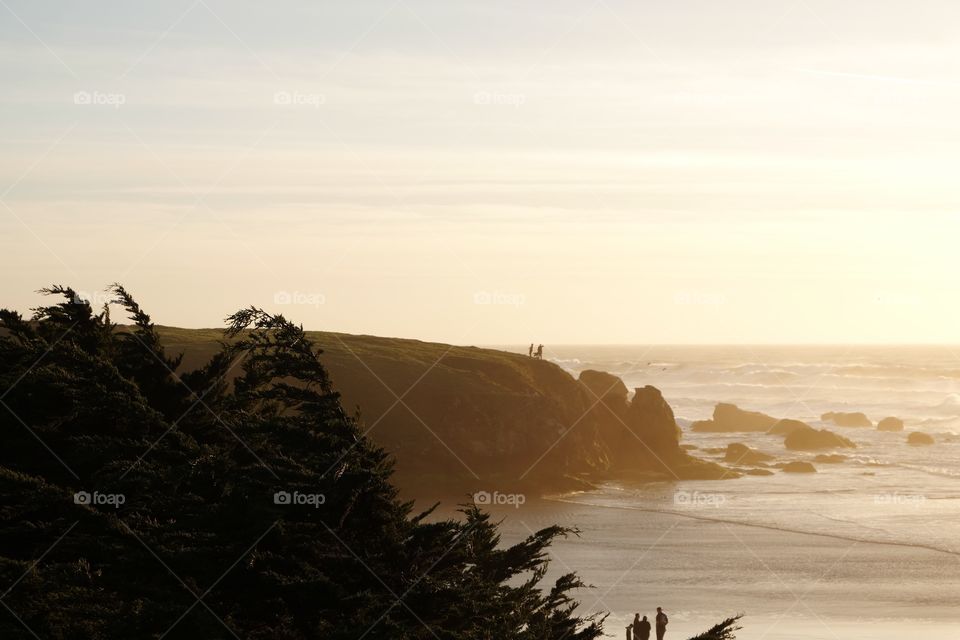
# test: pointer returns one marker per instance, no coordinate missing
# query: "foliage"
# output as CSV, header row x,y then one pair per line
x,y
725,630
141,501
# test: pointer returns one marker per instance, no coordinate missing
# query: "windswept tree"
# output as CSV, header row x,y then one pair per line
x,y
725,630
238,500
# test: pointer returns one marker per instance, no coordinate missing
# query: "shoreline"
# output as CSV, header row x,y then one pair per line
x,y
563,498
757,526
792,585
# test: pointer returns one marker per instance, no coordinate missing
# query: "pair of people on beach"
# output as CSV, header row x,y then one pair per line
x,y
640,629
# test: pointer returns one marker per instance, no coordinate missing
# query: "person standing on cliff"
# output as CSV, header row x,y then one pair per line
x,y
530,352
662,622
540,352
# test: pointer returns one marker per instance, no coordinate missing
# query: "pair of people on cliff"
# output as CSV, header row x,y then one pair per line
x,y
538,354
641,628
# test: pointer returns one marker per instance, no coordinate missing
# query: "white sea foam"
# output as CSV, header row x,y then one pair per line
x,y
885,492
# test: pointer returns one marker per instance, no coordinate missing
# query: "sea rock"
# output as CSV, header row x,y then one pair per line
x,y
798,466
890,424
844,419
787,426
641,436
739,453
728,417
758,472
604,386
809,439
918,438
830,458
656,426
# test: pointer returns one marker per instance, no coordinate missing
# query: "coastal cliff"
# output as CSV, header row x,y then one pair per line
x,y
467,419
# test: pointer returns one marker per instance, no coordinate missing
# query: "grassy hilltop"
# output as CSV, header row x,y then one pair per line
x,y
466,418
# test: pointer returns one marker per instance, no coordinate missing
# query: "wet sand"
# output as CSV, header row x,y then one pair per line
x,y
791,586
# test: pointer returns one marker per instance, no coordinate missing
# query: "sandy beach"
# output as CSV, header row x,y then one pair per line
x,y
790,586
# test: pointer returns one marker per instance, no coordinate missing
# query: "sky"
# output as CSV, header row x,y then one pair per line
x,y
583,172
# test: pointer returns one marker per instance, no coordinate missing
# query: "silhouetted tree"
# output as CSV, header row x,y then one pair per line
x,y
725,630
211,538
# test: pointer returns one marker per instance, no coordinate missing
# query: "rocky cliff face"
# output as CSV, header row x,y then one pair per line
x,y
462,419
640,435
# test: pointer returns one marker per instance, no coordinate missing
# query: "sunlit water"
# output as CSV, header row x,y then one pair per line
x,y
867,548
886,491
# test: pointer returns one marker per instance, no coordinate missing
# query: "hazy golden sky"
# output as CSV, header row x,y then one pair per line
x,y
576,172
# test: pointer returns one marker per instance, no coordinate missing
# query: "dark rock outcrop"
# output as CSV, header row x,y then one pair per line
x,y
758,472
643,440
739,453
798,466
658,427
729,418
787,426
890,424
830,458
845,419
810,439
604,386
918,438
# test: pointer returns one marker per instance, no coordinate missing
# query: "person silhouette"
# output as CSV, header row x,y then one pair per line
x,y
662,620
641,628
530,351
540,352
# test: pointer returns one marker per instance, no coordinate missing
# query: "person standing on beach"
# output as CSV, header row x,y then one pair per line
x,y
641,628
662,621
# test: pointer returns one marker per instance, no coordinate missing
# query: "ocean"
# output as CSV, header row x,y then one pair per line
x,y
865,548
